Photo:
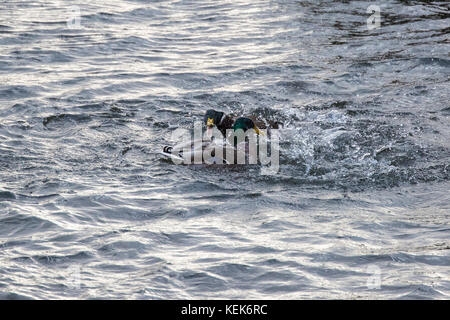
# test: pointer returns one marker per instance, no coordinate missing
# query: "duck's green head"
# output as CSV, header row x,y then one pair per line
x,y
245,124
212,118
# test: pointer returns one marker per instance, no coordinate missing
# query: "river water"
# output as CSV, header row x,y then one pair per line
x,y
91,90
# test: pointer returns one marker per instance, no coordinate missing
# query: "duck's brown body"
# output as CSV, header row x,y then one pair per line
x,y
265,124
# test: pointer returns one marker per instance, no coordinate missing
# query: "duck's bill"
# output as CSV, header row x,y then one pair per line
x,y
258,131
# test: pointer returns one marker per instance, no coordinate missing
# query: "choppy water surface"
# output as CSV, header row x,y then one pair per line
x,y
359,209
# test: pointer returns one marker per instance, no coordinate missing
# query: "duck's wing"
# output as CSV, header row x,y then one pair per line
x,y
189,145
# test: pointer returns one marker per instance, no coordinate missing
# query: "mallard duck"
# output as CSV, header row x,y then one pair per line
x,y
223,122
218,119
204,150
245,124
198,150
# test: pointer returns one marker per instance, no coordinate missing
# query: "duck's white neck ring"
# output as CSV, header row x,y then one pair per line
x,y
221,119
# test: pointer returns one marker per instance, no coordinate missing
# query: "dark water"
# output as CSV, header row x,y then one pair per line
x,y
359,209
